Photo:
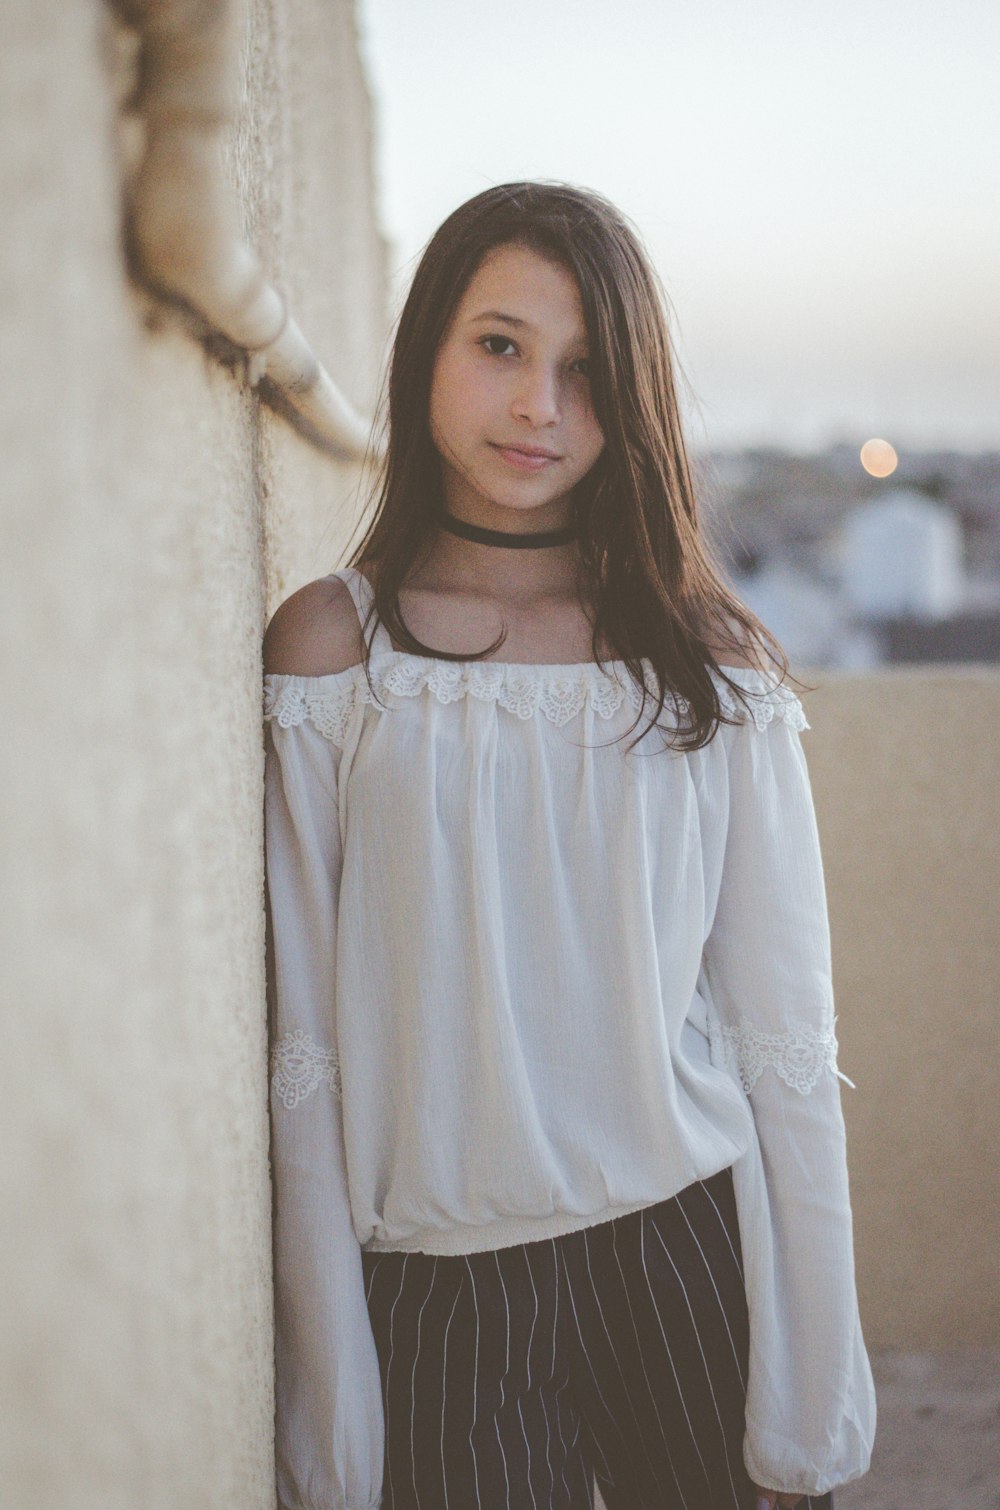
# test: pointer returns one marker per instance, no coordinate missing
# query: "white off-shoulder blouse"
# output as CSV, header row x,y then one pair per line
x,y
521,982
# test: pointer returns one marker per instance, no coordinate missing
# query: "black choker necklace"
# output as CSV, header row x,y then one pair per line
x,y
484,536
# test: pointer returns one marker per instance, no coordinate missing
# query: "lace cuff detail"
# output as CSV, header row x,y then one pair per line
x,y
298,1065
800,1056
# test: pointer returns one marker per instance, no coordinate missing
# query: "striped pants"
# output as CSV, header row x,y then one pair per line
x,y
512,1379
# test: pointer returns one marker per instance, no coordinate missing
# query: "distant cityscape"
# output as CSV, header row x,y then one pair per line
x,y
852,571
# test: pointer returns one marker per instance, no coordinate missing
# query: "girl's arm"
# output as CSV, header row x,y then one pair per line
x,y
811,1399
329,1419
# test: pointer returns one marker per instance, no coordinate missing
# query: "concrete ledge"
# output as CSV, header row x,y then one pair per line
x,y
905,776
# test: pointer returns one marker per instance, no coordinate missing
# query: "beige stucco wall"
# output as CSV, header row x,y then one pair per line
x,y
905,774
152,516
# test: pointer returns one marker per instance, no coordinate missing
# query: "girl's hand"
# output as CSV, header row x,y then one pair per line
x,y
772,1499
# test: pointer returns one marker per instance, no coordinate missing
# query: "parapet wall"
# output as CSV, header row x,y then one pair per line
x,y
907,786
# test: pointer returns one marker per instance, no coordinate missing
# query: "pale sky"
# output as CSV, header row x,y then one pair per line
x,y
818,185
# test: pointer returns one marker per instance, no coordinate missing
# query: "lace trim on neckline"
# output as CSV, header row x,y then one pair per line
x,y
558,693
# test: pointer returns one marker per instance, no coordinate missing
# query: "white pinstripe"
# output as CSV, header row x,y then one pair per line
x,y
531,1487
589,1480
608,1475
608,1412
555,1324
413,1384
725,1230
388,1367
527,1444
548,1442
652,1394
551,1379
371,1278
506,1371
625,1388
708,1372
562,1439
534,1318
475,1375
718,1297
666,1344
444,1394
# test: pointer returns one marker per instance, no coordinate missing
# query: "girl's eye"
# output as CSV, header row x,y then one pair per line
x,y
503,341
582,365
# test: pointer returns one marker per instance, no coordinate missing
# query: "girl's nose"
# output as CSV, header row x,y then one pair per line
x,y
536,397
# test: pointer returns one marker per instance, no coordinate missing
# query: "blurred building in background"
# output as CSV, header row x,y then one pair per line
x,y
902,555
851,571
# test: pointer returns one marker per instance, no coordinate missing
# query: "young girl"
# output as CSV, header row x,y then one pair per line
x,y
560,1185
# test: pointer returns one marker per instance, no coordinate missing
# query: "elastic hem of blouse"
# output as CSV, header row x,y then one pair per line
x,y
508,1233
374,1504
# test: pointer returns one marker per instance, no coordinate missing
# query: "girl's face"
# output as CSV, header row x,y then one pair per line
x,y
509,378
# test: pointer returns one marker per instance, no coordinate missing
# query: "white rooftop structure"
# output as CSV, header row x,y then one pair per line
x,y
803,613
902,553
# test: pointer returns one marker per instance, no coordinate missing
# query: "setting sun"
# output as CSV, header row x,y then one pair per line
x,y
878,458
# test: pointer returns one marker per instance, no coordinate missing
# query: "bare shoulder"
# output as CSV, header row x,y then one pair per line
x,y
739,652
747,659
314,632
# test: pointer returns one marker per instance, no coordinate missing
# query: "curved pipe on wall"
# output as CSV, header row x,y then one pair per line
x,y
183,232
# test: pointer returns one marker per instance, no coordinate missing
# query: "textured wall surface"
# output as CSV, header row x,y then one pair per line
x,y
907,785
152,516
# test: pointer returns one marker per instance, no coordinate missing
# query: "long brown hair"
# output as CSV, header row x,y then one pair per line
x,y
646,564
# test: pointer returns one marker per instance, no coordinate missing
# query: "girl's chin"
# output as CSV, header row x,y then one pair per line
x,y
517,504
523,493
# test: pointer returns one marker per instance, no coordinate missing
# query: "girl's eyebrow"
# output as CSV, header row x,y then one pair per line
x,y
496,314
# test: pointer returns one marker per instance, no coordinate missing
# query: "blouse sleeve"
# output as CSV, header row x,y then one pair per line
x,y
329,1416
810,1417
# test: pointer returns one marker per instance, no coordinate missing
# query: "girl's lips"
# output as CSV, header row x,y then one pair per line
x,y
523,461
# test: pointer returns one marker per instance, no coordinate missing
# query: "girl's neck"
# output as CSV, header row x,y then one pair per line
x,y
491,573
